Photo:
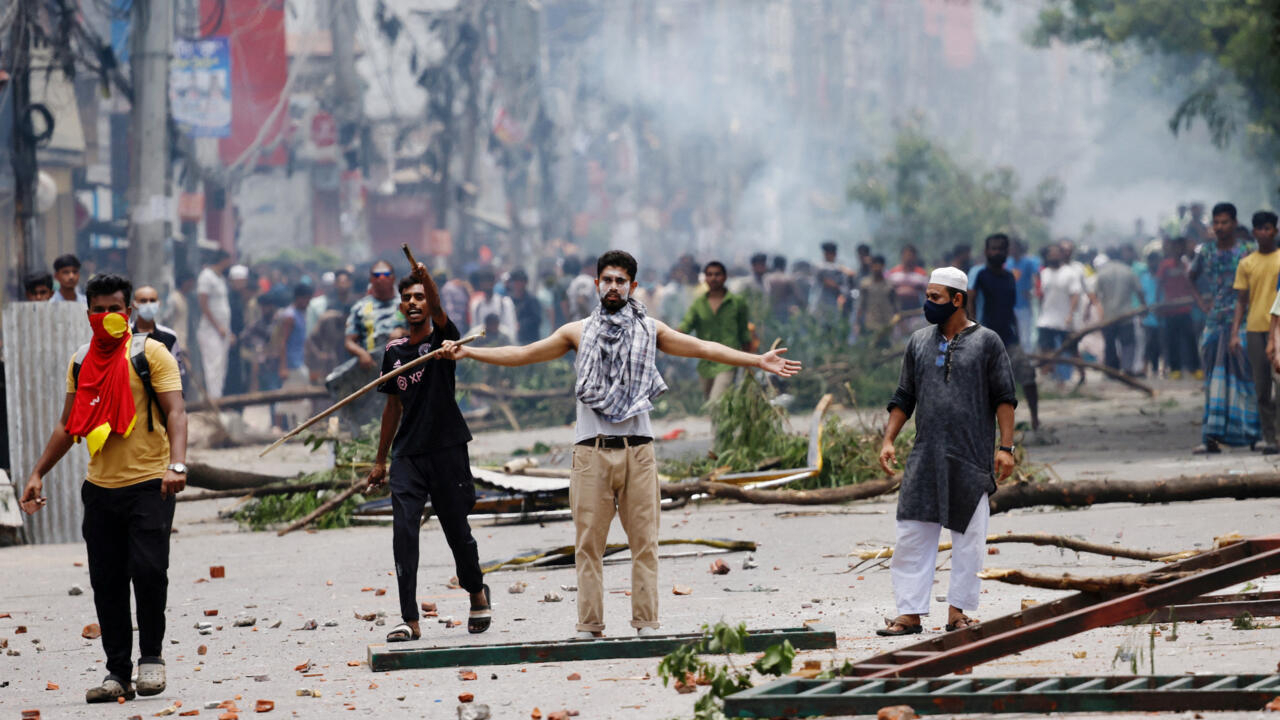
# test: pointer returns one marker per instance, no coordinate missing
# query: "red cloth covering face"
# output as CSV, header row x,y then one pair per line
x,y
104,401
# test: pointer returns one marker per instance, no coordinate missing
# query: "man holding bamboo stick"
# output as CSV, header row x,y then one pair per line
x,y
427,436
613,460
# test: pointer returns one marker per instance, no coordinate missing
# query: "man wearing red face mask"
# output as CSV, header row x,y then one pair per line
x,y
136,433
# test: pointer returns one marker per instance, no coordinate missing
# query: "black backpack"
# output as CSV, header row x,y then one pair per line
x,y
137,358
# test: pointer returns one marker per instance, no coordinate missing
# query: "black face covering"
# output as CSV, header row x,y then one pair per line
x,y
938,313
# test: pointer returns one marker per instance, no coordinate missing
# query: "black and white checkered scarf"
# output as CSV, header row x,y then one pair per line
x,y
617,373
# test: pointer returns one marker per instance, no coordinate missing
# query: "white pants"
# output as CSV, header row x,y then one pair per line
x,y
916,553
213,358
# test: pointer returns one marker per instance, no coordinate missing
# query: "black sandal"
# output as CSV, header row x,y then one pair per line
x,y
402,633
479,618
907,628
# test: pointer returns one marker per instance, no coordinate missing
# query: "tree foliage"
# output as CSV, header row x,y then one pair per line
x,y
1227,51
923,194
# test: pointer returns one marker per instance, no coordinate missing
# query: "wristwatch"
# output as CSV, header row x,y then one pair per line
x,y
1007,448
180,468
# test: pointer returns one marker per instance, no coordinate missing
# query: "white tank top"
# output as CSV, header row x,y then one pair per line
x,y
591,424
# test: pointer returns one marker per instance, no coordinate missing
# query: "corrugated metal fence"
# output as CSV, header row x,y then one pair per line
x,y
39,340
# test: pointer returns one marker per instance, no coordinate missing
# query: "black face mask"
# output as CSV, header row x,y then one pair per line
x,y
938,313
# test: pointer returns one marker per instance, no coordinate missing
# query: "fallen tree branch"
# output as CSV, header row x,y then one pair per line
x,y
328,505
281,489
263,397
1084,493
207,477
564,554
1081,362
821,496
1128,583
1074,338
1062,541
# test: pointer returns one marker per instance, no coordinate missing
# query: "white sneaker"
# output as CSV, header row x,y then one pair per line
x,y
646,631
586,635
151,678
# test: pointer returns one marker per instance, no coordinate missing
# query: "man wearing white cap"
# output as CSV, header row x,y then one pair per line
x,y
957,375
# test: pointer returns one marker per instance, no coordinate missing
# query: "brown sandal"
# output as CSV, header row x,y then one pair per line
x,y
905,628
961,623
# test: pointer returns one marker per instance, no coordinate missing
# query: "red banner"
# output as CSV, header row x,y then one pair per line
x,y
259,71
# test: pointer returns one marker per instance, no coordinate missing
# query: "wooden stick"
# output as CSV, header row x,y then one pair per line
x,y
1081,362
329,504
364,390
413,264
1078,335
1062,541
1107,583
1085,493
280,489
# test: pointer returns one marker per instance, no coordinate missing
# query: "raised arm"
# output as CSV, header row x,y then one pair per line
x,y
674,342
560,342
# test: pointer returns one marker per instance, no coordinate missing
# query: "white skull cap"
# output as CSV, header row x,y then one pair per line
x,y
950,277
238,272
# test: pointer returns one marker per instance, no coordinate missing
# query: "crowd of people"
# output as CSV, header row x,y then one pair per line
x,y
1193,301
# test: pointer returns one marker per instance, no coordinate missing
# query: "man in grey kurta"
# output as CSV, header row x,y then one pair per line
x,y
957,380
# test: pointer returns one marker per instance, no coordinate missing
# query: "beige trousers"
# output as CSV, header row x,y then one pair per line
x,y
602,481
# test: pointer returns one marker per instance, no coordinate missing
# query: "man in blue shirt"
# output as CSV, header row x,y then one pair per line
x,y
994,301
1024,268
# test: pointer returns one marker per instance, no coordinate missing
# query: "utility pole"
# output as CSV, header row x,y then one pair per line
x,y
23,158
150,48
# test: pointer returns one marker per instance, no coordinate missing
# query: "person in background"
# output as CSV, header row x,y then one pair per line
x,y
177,309
802,278
1153,346
455,295
493,335
528,309
1230,408
489,302
290,337
718,316
561,309
214,329
146,308
908,280
648,293
1025,268
875,303
1255,283
865,260
581,292
780,291
1061,288
994,298
66,269
1119,291
961,258
38,286
238,296
832,280
1177,326
759,268
339,297
375,319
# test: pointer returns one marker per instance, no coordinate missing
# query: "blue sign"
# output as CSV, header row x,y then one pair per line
x,y
200,87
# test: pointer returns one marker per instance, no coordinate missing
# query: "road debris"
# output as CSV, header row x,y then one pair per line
x,y
896,712
217,571
466,675
263,706
517,587
681,590
91,632
465,697
573,677
245,621
552,597
749,562
75,590
473,712
719,567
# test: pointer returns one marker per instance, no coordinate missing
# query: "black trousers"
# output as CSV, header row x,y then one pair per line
x,y
1119,342
1181,347
126,531
444,478
1151,348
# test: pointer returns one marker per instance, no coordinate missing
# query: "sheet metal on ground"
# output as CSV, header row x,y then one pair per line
x,y
792,697
40,339
383,658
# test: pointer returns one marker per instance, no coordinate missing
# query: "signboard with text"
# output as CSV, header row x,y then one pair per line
x,y
200,87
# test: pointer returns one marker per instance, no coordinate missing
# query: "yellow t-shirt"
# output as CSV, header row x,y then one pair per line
x,y
1257,273
144,455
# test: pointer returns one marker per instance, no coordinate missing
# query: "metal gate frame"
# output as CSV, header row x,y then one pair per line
x,y
793,697
383,657
1040,624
